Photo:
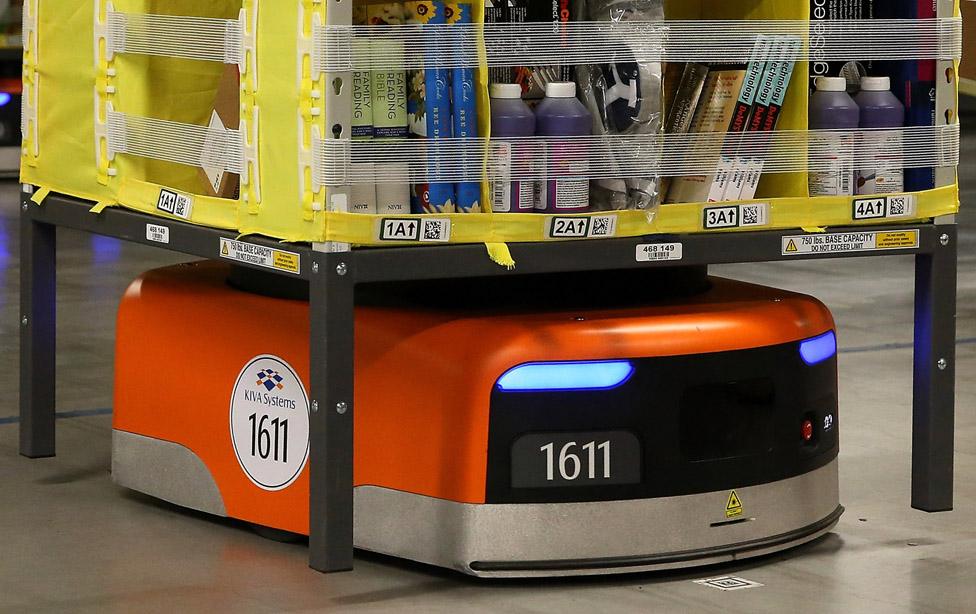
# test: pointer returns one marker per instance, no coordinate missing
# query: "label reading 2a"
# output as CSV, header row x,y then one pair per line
x,y
597,227
423,230
884,207
735,216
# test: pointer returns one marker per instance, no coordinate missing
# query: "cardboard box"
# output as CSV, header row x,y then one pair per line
x,y
226,115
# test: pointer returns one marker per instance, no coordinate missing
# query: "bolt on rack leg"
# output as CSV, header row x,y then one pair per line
x,y
933,408
37,334
331,303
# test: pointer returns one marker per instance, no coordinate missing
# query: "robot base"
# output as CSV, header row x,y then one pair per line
x,y
489,540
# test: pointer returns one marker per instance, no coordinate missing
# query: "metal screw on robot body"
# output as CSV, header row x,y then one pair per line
x,y
342,269
944,240
342,408
943,364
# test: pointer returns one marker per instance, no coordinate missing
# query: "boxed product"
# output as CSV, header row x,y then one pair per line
x,y
533,79
225,116
822,12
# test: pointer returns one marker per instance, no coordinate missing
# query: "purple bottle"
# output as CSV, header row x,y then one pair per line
x,y
832,155
883,172
512,119
561,114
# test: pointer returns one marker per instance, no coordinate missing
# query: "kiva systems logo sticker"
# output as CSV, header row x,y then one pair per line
x,y
270,379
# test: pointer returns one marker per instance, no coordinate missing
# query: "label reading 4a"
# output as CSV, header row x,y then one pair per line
x,y
884,207
735,216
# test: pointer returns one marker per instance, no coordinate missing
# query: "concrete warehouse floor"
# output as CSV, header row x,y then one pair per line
x,y
70,540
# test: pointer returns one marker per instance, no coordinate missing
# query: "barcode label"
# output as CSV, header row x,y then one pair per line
x,y
884,207
735,216
658,252
174,203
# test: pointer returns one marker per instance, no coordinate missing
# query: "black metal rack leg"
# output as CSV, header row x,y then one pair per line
x,y
37,334
933,408
331,438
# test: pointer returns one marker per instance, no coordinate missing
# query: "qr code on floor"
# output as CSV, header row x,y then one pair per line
x,y
438,231
899,206
753,215
604,226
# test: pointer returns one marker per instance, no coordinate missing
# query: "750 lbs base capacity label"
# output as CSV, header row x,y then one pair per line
x,y
850,242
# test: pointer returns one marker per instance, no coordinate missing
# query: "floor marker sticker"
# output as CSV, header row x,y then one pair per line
x,y
850,242
269,424
729,583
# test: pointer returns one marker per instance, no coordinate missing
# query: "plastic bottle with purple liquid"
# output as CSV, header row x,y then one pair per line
x,y
561,114
511,118
882,172
832,154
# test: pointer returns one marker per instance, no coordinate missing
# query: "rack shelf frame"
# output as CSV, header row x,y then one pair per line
x,y
333,277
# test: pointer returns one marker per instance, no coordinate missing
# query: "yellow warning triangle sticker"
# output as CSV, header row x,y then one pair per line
x,y
791,249
224,251
734,506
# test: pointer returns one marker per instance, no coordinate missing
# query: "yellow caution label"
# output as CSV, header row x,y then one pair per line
x,y
734,507
287,261
261,255
851,242
906,239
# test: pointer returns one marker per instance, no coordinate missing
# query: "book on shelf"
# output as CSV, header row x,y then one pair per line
x,y
767,111
684,87
713,115
744,107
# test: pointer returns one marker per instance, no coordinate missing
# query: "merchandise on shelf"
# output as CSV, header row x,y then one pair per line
x,y
362,196
560,114
390,120
880,109
832,108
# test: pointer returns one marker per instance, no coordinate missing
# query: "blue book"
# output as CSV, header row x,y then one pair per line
x,y
913,82
465,109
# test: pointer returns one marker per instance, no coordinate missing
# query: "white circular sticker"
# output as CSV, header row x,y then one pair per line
x,y
269,422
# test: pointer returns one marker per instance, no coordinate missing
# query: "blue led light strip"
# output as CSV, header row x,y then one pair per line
x,y
551,376
816,350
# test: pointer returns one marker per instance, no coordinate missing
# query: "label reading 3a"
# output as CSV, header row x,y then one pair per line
x,y
735,216
659,252
884,207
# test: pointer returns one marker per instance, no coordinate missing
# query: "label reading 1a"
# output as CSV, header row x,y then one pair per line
x,y
884,207
735,216
658,252
424,230
174,203
259,255
847,242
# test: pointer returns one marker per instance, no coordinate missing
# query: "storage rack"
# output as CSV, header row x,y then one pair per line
x,y
333,278
334,271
